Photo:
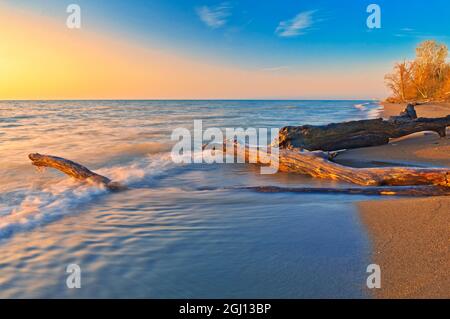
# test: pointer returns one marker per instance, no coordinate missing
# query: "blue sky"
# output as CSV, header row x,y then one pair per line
x,y
245,31
283,35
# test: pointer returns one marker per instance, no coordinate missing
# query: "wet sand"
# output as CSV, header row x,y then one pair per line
x,y
410,237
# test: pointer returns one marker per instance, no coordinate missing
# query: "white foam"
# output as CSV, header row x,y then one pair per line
x,y
150,166
361,106
373,109
51,202
42,206
376,112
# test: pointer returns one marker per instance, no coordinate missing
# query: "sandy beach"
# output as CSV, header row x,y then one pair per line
x,y
410,237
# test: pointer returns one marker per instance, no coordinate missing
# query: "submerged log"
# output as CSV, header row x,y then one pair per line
x,y
355,134
73,169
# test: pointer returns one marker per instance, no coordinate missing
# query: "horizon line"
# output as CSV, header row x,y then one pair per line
x,y
201,99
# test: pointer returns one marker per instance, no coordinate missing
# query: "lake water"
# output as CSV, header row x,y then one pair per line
x,y
178,231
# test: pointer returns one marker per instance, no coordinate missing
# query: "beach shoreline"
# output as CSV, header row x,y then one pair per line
x,y
410,237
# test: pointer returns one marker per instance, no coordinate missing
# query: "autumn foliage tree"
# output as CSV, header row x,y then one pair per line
x,y
425,78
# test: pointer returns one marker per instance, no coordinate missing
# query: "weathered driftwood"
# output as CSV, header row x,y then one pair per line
x,y
73,169
426,190
409,113
317,165
375,190
355,134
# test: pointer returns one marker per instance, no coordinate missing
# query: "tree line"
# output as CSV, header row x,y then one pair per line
x,y
426,78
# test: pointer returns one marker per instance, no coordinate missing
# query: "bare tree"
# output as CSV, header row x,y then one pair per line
x,y
400,81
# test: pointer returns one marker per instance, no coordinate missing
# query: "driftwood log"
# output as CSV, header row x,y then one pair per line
x,y
409,113
376,190
355,134
378,181
74,170
293,158
404,181
426,190
319,165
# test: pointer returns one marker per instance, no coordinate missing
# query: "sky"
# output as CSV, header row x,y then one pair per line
x,y
206,49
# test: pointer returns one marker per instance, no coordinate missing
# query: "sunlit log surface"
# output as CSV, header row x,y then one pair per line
x,y
73,169
318,165
355,134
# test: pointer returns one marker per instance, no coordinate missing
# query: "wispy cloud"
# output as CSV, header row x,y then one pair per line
x,y
412,33
275,68
214,16
406,32
297,25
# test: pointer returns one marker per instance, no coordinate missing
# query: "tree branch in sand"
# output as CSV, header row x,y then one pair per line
x,y
73,169
355,134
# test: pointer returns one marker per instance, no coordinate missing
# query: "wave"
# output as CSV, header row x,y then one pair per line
x,y
376,111
361,106
51,202
134,150
373,109
46,205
